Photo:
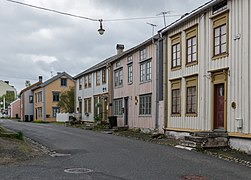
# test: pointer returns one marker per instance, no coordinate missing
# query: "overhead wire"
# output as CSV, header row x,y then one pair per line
x,y
84,17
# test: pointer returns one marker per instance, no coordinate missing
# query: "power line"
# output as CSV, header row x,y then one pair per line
x,y
52,10
139,18
87,18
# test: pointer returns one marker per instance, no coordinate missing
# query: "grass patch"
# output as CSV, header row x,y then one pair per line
x,y
40,122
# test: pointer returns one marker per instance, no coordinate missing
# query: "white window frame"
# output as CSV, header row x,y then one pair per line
x,y
146,71
118,77
118,105
145,104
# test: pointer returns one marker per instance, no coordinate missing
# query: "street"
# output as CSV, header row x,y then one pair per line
x,y
105,156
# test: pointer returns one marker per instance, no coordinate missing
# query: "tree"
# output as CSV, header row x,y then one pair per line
x,y
9,97
66,102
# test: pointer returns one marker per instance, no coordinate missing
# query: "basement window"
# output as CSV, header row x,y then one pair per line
x,y
220,7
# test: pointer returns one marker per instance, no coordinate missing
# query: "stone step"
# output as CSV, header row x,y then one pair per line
x,y
192,144
209,134
196,139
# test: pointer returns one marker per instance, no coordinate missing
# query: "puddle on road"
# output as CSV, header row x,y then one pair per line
x,y
59,155
78,170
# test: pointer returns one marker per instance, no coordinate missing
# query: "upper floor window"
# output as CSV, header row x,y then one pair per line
x,y
145,104
191,45
146,71
220,7
80,83
130,73
220,40
118,74
88,80
98,77
118,64
63,82
176,51
129,59
31,99
103,75
55,96
220,35
142,54
39,97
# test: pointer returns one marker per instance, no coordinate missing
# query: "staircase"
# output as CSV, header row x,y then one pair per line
x,y
210,139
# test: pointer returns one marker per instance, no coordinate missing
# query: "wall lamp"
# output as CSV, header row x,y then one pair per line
x,y
101,30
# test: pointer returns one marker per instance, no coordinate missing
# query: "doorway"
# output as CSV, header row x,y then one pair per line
x,y
219,108
126,111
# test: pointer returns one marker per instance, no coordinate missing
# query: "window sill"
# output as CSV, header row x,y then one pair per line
x,y
220,56
117,87
130,83
175,115
191,115
175,68
145,115
143,82
192,64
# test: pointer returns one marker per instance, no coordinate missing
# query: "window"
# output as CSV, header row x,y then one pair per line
x,y
129,59
118,107
191,95
63,82
118,64
142,54
176,87
88,80
145,104
191,45
145,71
39,112
55,110
98,106
80,84
220,7
176,51
88,102
31,99
220,40
103,75
55,96
39,97
98,78
130,73
118,77
220,35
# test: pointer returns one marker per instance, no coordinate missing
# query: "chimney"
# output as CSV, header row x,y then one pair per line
x,y
58,73
120,48
7,82
40,79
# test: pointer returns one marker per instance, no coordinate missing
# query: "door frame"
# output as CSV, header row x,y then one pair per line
x,y
126,110
220,77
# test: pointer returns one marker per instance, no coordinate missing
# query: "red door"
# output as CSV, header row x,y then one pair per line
x,y
219,106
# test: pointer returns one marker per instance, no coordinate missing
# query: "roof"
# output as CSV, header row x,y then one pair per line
x,y
114,58
30,87
96,67
187,16
59,75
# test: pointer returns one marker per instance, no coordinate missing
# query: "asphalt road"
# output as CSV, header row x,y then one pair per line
x,y
108,157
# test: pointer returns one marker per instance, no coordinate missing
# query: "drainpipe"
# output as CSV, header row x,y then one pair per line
x,y
157,87
44,104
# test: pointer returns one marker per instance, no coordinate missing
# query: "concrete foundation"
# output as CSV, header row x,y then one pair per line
x,y
239,144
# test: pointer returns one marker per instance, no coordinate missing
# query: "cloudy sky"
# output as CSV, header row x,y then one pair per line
x,y
36,42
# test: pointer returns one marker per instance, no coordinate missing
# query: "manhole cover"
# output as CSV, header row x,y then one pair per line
x,y
193,177
78,170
